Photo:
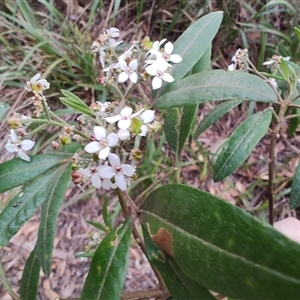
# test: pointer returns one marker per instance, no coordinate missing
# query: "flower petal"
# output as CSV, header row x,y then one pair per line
x,y
156,83
128,170
35,78
23,156
123,134
99,133
175,58
124,124
113,119
147,116
13,136
133,77
112,139
86,173
168,48
168,77
103,153
27,144
92,147
11,148
121,182
96,181
126,111
123,77
106,172
114,160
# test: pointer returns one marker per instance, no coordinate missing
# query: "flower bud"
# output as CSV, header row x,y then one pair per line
x,y
136,154
13,122
54,145
76,177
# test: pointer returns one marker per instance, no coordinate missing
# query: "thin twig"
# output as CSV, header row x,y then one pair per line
x,y
139,295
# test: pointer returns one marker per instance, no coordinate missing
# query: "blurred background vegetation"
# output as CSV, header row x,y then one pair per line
x,y
55,37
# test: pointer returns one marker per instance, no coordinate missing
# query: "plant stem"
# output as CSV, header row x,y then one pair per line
x,y
274,136
128,212
6,283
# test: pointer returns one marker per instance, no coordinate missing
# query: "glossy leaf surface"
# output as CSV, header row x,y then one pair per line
x,y
177,126
24,205
178,284
241,143
215,114
49,216
216,85
220,246
107,273
16,171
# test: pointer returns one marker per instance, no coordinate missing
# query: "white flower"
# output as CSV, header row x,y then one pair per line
x,y
123,134
154,52
124,118
14,145
103,107
113,32
36,84
275,60
234,60
117,171
147,116
129,71
92,174
103,143
157,69
168,56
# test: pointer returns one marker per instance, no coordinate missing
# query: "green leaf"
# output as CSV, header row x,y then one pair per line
x,y
71,100
215,114
241,143
24,205
295,190
4,107
49,216
30,277
107,273
178,284
16,172
192,44
177,126
221,247
203,64
297,31
216,85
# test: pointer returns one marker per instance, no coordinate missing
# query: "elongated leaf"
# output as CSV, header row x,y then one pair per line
x,y
203,64
215,114
216,85
23,206
295,190
192,44
30,277
108,268
16,172
241,143
49,216
4,107
71,100
178,284
220,246
177,126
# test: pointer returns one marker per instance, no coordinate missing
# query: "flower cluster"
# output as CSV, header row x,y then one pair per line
x,y
239,60
119,69
106,135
